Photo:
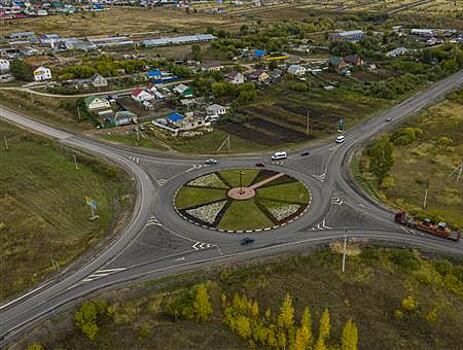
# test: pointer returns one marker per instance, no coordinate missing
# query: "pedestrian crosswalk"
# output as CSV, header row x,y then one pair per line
x,y
102,273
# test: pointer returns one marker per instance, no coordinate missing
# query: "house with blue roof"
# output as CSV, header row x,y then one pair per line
x,y
259,53
175,117
154,74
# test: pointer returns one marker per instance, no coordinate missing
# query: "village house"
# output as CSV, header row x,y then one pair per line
x,y
275,75
154,74
212,67
296,69
42,73
141,95
177,123
124,118
353,60
235,77
4,65
99,81
93,103
259,75
215,111
349,36
337,64
397,52
184,91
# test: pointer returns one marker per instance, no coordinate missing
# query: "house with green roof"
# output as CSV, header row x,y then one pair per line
x,y
93,103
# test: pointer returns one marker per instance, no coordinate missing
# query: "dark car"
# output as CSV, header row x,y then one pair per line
x,y
305,153
247,240
260,165
211,161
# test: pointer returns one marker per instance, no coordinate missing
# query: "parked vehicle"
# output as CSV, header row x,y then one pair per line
x,y
260,165
305,153
388,119
340,139
279,155
247,240
211,161
440,230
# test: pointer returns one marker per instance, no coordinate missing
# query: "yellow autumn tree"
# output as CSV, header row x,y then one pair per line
x,y
350,336
304,337
202,304
324,331
286,316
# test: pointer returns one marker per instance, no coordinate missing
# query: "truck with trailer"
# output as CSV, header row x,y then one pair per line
x,y
440,230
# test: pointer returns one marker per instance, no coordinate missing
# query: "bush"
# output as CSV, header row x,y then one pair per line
x,y
405,259
409,304
111,171
90,315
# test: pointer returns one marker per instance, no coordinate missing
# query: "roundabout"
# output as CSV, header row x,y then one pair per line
x,y
242,200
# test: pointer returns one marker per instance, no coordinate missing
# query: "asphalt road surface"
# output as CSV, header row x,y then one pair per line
x,y
157,242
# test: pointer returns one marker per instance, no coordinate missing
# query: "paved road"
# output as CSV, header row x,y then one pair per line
x,y
158,242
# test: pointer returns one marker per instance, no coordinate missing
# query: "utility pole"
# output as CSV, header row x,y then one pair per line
x,y
308,123
138,134
78,113
457,172
75,162
425,199
344,252
6,143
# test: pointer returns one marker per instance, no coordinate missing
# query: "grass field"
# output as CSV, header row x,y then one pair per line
x,y
399,299
291,192
43,215
191,196
116,21
425,160
244,215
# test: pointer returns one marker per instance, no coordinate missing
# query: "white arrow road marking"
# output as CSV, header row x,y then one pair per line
x,y
161,181
195,166
135,159
202,245
180,259
102,273
320,177
321,226
153,221
337,201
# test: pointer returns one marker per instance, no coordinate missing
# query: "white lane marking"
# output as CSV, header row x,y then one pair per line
x,y
102,273
25,295
180,259
320,177
161,181
202,245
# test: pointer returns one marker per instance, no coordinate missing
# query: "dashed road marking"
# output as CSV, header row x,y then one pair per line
x,y
102,273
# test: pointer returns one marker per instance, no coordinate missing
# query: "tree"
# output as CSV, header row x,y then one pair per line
x,y
324,331
445,142
381,158
350,336
21,70
202,304
196,52
35,346
243,326
89,315
286,316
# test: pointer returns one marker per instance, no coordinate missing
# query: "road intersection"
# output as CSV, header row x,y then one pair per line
x,y
157,242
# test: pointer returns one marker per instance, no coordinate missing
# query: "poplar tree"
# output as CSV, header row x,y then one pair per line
x,y
286,317
324,331
350,336
202,304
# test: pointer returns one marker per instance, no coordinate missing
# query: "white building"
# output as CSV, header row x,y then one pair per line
x,y
215,111
296,69
397,52
94,102
4,65
42,73
236,77
141,95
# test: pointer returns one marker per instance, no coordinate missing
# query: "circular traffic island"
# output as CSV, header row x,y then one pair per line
x,y
242,200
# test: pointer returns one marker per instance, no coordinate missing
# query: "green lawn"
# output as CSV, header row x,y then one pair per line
x,y
233,176
192,196
294,192
43,215
244,215
424,160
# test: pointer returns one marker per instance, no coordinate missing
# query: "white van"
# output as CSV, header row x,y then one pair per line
x,y
279,155
340,139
